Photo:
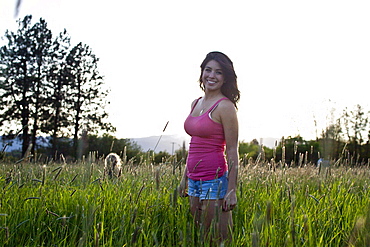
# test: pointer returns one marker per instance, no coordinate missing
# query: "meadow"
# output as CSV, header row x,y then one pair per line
x,y
74,205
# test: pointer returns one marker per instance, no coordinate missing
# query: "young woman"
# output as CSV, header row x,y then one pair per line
x,y
211,177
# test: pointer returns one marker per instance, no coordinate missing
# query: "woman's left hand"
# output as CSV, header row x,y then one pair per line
x,y
230,201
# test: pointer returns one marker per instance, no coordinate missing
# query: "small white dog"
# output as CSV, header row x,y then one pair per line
x,y
113,165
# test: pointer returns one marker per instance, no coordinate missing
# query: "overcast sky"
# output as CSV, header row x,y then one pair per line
x,y
295,60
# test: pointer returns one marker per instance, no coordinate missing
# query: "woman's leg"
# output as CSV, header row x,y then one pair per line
x,y
226,225
217,222
195,206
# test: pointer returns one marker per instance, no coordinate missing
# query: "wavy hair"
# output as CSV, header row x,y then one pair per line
x,y
230,87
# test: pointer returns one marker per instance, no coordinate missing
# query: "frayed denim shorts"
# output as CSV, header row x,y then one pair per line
x,y
210,189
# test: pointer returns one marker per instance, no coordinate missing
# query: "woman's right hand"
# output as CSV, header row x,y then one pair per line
x,y
182,188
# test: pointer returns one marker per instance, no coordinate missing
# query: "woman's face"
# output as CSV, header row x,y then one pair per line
x,y
212,77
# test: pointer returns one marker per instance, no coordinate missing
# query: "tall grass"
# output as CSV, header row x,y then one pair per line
x,y
298,207
71,205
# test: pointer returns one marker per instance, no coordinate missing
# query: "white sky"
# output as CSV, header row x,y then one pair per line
x,y
294,59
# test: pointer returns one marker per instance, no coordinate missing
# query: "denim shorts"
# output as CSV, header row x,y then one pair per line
x,y
210,189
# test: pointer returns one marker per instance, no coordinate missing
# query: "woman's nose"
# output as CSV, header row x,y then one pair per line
x,y
211,74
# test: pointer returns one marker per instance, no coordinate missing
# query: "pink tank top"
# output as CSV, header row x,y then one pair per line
x,y
206,158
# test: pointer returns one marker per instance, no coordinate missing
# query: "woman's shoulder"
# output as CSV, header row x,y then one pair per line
x,y
226,104
195,101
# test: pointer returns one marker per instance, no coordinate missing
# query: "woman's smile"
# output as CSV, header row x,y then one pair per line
x,y
212,75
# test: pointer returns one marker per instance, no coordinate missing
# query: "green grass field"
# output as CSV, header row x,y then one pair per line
x,y
71,205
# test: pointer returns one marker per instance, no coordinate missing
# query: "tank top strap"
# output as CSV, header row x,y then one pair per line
x,y
196,102
216,104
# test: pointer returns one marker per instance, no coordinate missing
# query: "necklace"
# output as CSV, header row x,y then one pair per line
x,y
206,107
202,110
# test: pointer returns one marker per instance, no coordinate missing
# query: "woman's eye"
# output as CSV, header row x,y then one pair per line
x,y
219,73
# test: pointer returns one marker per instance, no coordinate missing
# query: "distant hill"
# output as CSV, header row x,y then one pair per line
x,y
175,142
9,145
168,143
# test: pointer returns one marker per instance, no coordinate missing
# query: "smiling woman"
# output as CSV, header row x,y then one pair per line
x,y
224,67
210,177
